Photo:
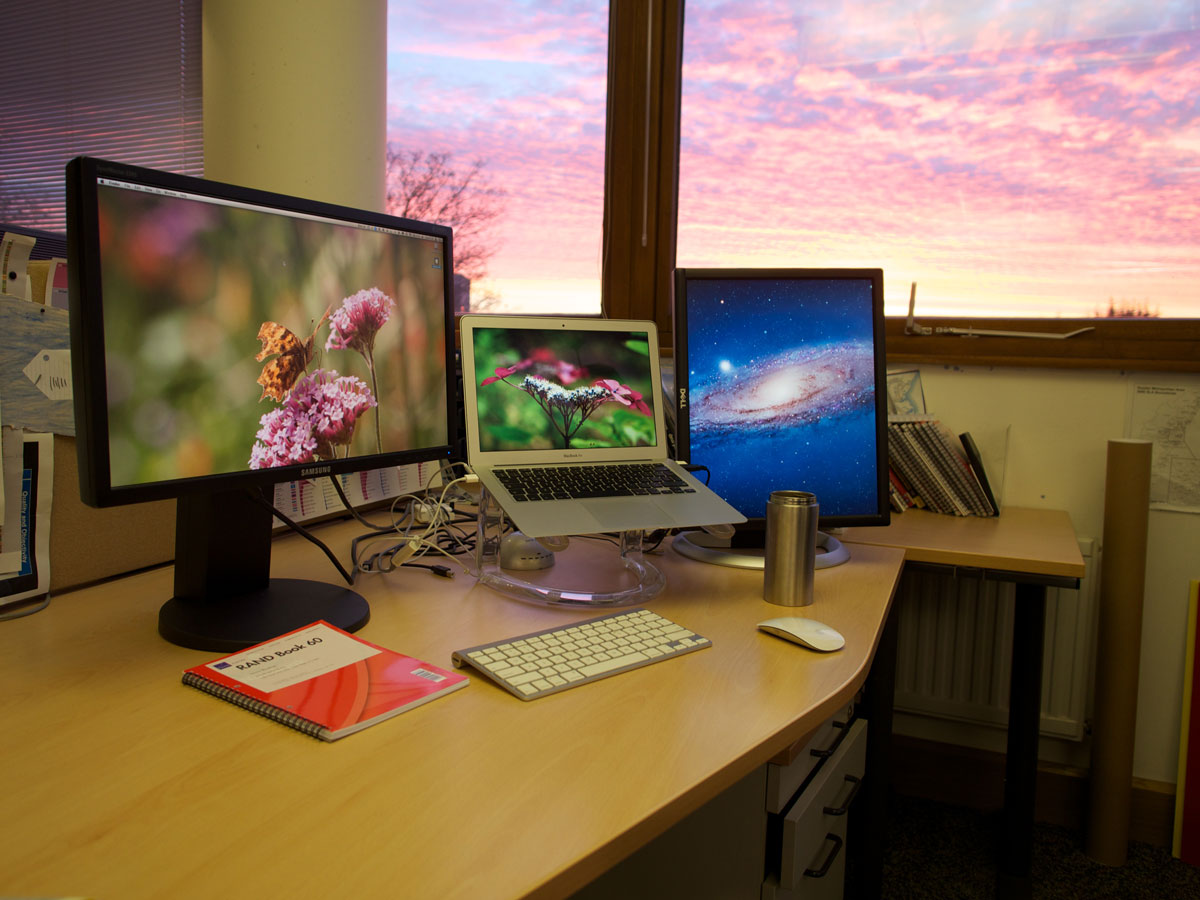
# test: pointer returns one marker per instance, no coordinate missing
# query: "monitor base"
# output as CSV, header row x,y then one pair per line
x,y
704,547
238,621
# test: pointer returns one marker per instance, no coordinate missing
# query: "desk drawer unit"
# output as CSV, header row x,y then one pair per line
x,y
784,780
812,831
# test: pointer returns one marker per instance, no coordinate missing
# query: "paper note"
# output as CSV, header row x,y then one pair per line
x,y
31,537
294,658
14,263
904,393
27,332
50,372
1168,415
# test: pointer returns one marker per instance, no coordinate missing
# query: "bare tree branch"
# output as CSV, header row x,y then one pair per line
x,y
428,186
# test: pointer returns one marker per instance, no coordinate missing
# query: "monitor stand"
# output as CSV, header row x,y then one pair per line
x,y
709,548
225,599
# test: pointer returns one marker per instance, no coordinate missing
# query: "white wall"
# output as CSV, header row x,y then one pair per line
x,y
1047,431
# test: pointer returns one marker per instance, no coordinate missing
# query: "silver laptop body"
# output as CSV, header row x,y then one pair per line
x,y
546,391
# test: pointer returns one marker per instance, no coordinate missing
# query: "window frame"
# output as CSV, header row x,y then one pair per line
x,y
645,75
1171,345
641,160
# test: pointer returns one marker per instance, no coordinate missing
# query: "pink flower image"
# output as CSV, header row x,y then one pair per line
x,y
503,372
318,416
356,322
354,326
624,394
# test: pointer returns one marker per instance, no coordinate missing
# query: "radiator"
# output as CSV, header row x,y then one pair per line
x,y
954,649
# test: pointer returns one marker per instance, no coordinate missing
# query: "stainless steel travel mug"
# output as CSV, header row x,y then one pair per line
x,y
791,548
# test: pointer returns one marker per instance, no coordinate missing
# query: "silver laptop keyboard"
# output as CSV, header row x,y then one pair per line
x,y
545,662
578,482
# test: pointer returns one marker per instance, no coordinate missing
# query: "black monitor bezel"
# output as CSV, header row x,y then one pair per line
x,y
88,351
751,531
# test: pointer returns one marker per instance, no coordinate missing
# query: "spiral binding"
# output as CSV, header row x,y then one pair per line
x,y
262,708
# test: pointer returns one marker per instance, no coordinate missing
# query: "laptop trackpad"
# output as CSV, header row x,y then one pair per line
x,y
628,514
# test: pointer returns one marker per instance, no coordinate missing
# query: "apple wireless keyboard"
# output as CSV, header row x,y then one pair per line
x,y
545,662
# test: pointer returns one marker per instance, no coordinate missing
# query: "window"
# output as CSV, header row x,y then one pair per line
x,y
1011,160
496,126
118,80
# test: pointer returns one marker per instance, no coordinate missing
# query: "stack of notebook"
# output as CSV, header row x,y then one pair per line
x,y
934,469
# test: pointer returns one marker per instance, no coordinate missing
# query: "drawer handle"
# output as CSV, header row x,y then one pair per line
x,y
832,748
824,870
841,810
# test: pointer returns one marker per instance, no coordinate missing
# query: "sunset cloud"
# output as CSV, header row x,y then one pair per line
x,y
1009,156
1034,160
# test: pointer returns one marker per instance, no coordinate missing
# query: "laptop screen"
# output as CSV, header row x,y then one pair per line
x,y
563,389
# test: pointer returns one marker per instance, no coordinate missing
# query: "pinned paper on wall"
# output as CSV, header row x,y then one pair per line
x,y
905,396
50,372
26,530
35,367
14,265
11,450
1167,414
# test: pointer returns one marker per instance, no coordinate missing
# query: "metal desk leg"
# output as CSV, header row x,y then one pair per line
x,y
1024,717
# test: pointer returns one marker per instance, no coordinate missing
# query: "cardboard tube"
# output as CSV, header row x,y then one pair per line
x,y
1118,648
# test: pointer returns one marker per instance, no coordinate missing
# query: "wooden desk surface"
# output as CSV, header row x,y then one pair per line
x,y
121,782
1032,541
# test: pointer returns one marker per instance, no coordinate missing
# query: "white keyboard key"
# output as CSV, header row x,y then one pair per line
x,y
618,662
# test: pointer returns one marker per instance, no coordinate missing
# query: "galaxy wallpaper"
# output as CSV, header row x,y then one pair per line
x,y
781,385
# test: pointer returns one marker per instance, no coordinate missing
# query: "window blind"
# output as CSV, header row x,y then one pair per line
x,y
119,80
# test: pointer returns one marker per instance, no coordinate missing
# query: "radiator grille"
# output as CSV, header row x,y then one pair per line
x,y
954,649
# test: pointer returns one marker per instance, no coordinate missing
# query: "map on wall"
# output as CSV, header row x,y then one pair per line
x,y
905,395
1168,415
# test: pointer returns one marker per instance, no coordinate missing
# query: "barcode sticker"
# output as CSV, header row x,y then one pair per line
x,y
430,676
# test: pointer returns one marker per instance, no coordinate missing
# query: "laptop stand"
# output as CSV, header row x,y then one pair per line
x,y
634,581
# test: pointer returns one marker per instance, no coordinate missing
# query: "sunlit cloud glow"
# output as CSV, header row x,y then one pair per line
x,y
1009,158
1037,166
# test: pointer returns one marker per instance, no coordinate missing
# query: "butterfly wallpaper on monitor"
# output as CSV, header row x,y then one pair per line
x,y
247,340
292,357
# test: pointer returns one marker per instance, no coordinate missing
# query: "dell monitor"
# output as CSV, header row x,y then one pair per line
x,y
225,339
780,385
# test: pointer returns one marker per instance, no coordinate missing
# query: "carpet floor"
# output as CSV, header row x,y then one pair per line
x,y
948,852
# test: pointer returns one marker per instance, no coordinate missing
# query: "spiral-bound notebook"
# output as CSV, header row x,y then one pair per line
x,y
322,681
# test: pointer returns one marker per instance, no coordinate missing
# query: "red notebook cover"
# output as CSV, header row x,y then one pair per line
x,y
323,681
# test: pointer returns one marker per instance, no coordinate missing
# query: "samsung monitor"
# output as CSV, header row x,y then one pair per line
x,y
780,385
225,339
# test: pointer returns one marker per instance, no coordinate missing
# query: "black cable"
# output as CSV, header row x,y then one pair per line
x,y
258,498
337,486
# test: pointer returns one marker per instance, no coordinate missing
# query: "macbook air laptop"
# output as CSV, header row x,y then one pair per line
x,y
549,398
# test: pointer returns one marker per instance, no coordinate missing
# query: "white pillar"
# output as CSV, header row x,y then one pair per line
x,y
295,97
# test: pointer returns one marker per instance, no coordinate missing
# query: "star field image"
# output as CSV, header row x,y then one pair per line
x,y
781,386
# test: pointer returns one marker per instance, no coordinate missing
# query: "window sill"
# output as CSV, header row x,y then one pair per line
x,y
1171,345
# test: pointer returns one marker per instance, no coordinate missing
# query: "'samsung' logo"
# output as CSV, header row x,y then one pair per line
x,y
315,470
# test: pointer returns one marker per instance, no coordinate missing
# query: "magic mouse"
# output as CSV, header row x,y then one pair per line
x,y
805,632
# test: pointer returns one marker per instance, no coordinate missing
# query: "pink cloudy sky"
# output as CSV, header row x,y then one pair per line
x,y
521,86
1008,160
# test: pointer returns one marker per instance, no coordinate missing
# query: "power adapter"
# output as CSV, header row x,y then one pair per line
x,y
426,511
